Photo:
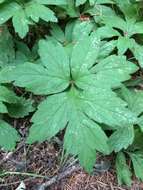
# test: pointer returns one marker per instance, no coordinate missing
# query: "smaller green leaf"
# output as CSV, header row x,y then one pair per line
x,y
106,48
7,52
121,138
57,33
20,109
123,44
52,2
138,28
117,22
137,160
137,51
3,108
36,11
107,32
113,67
92,2
103,1
140,122
7,10
20,23
134,99
81,29
7,95
123,172
80,2
8,136
129,9
99,12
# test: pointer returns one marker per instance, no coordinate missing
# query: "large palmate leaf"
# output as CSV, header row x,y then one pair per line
x,y
69,109
8,136
79,98
23,13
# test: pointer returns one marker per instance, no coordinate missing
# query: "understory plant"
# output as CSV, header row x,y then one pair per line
x,y
87,68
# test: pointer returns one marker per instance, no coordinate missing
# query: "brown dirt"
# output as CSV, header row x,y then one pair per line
x,y
44,159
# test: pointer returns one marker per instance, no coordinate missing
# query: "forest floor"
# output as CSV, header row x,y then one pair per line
x,y
39,167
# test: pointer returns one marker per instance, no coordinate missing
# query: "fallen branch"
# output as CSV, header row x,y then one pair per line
x,y
59,177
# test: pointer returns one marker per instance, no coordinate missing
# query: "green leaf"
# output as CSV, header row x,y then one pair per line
x,y
20,23
103,1
21,108
7,10
3,108
7,52
137,145
123,172
71,10
52,2
79,100
25,13
129,9
117,22
137,51
48,122
35,78
80,2
129,26
107,32
137,160
57,33
101,11
90,102
123,44
113,67
8,136
88,48
73,31
140,122
36,11
57,58
88,137
92,2
7,95
106,49
82,29
134,100
112,112
68,109
122,138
